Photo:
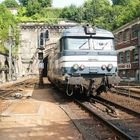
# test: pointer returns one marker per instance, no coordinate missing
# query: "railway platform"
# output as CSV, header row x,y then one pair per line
x,y
39,117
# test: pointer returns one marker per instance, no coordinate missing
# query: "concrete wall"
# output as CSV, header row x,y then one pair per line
x,y
3,58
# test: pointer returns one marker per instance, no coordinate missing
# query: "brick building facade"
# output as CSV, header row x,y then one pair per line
x,y
128,50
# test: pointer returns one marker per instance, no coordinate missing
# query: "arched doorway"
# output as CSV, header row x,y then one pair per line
x,y
45,70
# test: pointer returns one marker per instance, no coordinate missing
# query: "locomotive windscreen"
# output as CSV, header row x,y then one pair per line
x,y
89,44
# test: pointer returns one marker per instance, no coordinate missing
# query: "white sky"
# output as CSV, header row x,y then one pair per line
x,y
63,3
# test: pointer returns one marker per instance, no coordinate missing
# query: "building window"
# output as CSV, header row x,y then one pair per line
x,y
127,55
126,35
120,57
135,55
134,31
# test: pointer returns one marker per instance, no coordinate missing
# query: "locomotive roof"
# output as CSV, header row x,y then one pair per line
x,y
79,31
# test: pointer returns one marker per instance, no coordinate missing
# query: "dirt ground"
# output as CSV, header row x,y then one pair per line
x,y
37,118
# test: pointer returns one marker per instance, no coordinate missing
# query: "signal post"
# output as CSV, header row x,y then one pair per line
x,y
43,37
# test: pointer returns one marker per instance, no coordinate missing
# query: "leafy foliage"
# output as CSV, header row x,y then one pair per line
x,y
42,3
7,20
33,7
23,2
102,14
124,14
72,13
121,2
45,3
96,12
10,3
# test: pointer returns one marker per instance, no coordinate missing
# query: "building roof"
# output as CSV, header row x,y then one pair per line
x,y
128,25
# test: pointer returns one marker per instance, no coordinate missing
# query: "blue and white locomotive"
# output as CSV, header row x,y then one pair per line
x,y
84,60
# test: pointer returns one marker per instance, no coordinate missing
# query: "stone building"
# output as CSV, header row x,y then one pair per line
x,y
128,50
29,45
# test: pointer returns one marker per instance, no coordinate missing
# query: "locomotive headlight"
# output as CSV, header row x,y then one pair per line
x,y
75,67
103,67
109,67
82,67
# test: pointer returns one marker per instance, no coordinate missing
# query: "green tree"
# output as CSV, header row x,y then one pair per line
x,y
124,14
97,12
72,13
121,2
10,3
45,3
23,2
33,7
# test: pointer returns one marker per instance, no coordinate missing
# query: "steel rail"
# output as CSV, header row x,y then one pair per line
x,y
104,104
136,114
115,129
125,94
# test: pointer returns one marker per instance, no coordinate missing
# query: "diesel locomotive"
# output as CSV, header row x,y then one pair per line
x,y
84,61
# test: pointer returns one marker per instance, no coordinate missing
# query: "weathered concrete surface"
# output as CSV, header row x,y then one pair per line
x,y
38,118
2,65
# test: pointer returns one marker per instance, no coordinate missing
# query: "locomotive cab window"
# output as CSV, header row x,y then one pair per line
x,y
103,44
77,44
89,44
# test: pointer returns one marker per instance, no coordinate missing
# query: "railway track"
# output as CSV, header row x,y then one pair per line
x,y
9,92
118,106
125,119
118,122
126,92
91,124
129,103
